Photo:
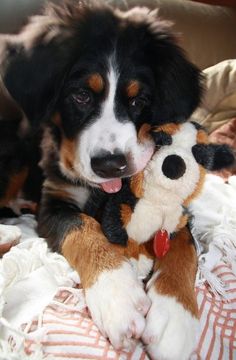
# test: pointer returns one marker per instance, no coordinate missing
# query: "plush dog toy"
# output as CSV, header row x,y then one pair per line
x,y
154,203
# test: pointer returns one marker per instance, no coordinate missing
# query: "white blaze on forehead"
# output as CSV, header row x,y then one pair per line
x,y
108,132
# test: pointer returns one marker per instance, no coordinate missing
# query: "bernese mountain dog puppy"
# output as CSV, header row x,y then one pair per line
x,y
90,80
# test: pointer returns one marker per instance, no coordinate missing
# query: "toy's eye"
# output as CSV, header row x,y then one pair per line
x,y
138,103
82,97
173,167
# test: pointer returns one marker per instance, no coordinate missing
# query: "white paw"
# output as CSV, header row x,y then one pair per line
x,y
171,331
118,305
9,234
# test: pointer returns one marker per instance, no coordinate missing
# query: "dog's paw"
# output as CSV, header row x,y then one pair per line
x,y
118,305
171,331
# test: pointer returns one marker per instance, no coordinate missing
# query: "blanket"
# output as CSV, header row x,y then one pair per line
x,y
43,314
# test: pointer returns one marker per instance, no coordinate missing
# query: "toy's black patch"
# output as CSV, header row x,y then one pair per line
x,y
173,167
161,138
111,221
212,156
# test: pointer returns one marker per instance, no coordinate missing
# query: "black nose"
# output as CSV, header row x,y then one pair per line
x,y
109,166
173,167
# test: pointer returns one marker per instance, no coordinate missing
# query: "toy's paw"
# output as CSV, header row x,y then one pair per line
x,y
171,331
9,236
118,305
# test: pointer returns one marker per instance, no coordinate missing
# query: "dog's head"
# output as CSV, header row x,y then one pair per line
x,y
99,75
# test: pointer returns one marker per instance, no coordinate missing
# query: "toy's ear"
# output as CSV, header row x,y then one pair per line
x,y
212,156
161,138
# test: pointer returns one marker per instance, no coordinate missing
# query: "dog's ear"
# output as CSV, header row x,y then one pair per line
x,y
212,156
33,79
178,81
35,62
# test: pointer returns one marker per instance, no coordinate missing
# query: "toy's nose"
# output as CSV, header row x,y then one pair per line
x,y
109,166
173,167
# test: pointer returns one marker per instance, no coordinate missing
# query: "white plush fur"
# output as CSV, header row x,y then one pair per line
x,y
9,234
142,266
120,305
162,209
170,332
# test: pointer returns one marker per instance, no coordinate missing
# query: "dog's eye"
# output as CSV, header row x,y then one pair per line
x,y
82,97
138,103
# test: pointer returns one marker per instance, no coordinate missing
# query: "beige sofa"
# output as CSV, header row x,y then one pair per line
x,y
208,32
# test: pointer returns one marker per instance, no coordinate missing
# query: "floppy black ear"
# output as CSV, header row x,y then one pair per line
x,y
33,79
213,156
178,81
36,60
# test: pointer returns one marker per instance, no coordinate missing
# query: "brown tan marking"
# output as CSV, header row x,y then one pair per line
x,y
202,137
170,128
67,153
96,83
89,252
134,250
178,270
133,88
15,185
143,133
125,213
198,187
182,222
136,184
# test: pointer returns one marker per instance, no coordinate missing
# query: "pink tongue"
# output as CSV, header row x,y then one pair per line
x,y
112,186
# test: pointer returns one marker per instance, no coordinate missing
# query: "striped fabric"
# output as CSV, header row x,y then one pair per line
x,y
69,333
217,338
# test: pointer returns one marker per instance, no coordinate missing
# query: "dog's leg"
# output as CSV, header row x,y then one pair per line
x,y
116,299
172,320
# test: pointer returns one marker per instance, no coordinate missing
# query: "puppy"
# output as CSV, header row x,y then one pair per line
x,y
92,77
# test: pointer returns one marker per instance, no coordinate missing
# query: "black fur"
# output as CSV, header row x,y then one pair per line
x,y
111,221
56,219
161,138
213,157
14,154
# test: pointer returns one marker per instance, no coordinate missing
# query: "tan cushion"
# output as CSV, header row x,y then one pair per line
x,y
219,103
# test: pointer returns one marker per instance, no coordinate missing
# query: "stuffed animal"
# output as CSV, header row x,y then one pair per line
x,y
154,204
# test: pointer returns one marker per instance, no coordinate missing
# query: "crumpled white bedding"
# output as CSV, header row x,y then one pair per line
x,y
31,275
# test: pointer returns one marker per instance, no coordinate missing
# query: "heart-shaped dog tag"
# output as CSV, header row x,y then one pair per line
x,y
161,243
